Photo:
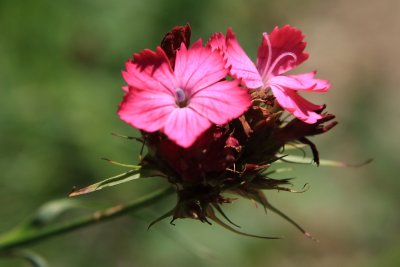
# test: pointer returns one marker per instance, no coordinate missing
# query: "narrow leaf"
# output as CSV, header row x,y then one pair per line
x,y
323,162
135,167
115,180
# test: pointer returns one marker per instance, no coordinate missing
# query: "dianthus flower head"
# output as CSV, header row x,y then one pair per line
x,y
182,102
209,135
279,52
206,133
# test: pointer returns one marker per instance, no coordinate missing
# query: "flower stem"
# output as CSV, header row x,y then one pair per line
x,y
24,236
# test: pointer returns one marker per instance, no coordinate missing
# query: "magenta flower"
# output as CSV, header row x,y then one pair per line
x,y
184,102
278,53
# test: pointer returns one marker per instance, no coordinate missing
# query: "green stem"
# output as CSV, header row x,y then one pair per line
x,y
20,237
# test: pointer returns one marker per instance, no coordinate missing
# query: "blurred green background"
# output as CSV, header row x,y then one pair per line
x,y
60,64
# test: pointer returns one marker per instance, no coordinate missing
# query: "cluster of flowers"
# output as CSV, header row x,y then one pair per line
x,y
213,120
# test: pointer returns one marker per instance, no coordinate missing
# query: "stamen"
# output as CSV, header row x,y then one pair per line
x,y
266,68
275,63
180,95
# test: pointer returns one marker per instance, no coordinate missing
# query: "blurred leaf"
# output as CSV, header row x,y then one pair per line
x,y
33,258
49,211
44,216
28,233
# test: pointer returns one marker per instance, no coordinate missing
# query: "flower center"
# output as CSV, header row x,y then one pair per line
x,y
180,98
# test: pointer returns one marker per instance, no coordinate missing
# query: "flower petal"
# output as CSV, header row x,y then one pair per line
x,y
146,109
284,40
198,67
184,126
221,102
241,65
217,42
308,78
303,82
295,104
150,96
150,70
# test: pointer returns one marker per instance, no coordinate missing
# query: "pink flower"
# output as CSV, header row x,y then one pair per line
x,y
278,53
184,102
